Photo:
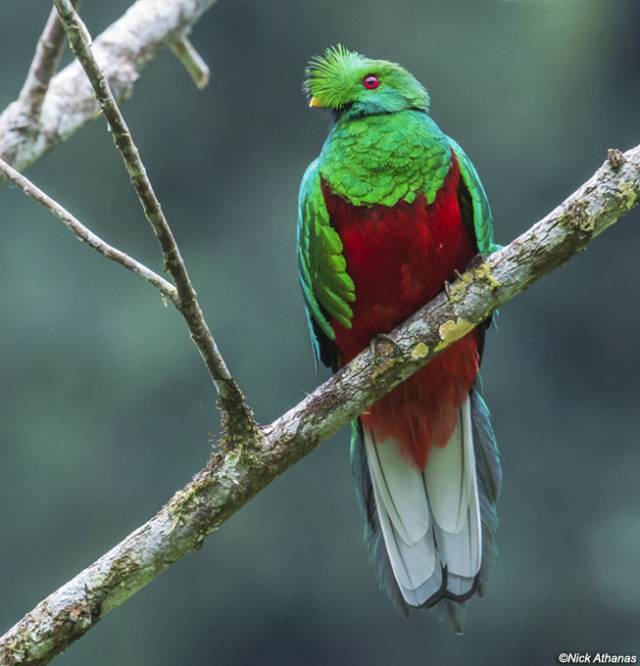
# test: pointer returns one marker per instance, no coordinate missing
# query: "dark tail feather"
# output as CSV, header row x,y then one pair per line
x,y
453,613
489,470
372,532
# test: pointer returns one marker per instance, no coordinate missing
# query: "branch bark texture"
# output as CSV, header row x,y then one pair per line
x,y
121,50
43,67
233,478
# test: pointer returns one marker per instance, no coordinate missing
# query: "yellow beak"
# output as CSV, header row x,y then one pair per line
x,y
314,102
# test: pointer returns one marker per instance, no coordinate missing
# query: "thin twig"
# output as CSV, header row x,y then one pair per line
x,y
85,234
192,61
237,417
43,66
231,480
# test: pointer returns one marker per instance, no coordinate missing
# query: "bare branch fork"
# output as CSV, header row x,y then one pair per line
x,y
26,132
237,418
235,475
122,50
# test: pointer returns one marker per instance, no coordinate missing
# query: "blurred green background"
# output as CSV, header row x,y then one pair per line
x,y
106,410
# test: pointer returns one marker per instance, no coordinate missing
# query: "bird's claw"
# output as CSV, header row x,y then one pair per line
x,y
447,289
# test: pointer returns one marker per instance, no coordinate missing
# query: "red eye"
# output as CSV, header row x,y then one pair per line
x,y
371,82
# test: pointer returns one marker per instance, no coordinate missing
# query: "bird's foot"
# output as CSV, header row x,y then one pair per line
x,y
447,289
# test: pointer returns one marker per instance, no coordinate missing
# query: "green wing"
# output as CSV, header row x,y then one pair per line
x,y
327,287
482,218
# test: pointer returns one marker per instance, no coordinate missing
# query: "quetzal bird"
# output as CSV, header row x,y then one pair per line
x,y
388,213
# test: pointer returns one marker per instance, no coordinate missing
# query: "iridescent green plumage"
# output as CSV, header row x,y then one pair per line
x,y
382,159
482,219
326,284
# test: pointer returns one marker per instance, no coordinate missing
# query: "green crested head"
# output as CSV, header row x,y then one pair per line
x,y
351,84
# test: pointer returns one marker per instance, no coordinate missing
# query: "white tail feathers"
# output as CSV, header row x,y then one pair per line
x,y
430,519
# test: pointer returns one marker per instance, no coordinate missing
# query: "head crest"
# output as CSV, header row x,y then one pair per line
x,y
345,80
325,73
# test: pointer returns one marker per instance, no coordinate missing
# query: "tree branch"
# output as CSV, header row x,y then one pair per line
x,y
232,479
87,236
42,69
238,422
122,50
192,61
